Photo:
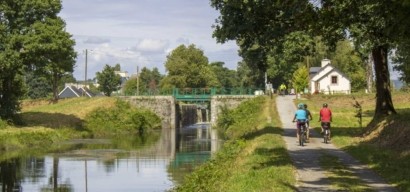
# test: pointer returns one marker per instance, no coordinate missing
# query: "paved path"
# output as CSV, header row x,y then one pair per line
x,y
310,176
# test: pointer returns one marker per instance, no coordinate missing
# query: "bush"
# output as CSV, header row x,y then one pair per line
x,y
122,119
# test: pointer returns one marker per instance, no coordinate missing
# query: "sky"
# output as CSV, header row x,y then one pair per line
x,y
141,33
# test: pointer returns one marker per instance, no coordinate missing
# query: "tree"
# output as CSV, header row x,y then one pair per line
x,y
51,49
346,59
376,25
108,80
117,67
18,21
148,82
300,79
401,59
37,86
188,67
227,78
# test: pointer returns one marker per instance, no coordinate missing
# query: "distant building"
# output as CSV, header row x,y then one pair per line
x,y
328,80
75,90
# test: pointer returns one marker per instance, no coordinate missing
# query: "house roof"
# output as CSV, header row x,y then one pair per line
x,y
78,92
331,70
314,69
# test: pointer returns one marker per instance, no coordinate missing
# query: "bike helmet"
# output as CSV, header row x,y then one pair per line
x,y
324,104
300,105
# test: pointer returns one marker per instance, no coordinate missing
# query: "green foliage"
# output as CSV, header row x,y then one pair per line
x,y
37,86
122,119
27,29
227,78
225,118
148,82
249,77
346,59
301,78
188,67
50,40
241,120
401,59
108,80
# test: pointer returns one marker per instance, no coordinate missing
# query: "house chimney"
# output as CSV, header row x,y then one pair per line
x,y
325,62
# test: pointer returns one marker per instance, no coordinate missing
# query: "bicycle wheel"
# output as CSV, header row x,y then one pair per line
x,y
326,136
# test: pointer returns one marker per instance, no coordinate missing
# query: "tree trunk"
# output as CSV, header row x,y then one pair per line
x,y
384,103
55,87
369,73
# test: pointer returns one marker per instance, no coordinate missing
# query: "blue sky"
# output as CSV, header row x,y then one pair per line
x,y
141,32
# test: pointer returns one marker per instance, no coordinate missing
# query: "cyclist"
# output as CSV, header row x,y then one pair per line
x,y
300,117
308,118
282,89
325,117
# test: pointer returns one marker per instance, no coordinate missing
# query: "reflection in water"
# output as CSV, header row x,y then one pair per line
x,y
154,163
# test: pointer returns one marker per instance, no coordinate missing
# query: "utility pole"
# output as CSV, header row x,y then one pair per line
x,y
86,58
138,81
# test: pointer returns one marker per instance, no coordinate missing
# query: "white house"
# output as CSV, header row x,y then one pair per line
x,y
328,80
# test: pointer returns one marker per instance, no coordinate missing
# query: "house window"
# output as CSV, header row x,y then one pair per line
x,y
334,79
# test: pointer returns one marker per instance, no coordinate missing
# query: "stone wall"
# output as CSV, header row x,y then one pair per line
x,y
163,106
231,101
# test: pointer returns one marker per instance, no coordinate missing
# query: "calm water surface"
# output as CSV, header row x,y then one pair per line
x,y
155,163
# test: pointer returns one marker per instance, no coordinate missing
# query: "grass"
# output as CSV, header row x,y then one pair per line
x,y
252,160
45,124
382,144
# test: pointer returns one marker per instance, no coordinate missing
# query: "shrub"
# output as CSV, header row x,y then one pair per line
x,y
121,119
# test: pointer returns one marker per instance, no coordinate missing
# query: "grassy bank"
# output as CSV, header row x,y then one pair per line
x,y
383,144
45,124
253,159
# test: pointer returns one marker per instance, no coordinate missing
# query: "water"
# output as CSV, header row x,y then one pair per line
x,y
155,163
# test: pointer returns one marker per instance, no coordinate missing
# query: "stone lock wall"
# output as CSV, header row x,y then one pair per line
x,y
166,106
163,106
231,101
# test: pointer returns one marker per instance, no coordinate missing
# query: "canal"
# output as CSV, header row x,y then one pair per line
x,y
157,162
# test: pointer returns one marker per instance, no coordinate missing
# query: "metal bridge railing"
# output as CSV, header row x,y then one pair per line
x,y
193,93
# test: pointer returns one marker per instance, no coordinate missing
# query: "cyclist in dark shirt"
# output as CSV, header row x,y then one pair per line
x,y
308,118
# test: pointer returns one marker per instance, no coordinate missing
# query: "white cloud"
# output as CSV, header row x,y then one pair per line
x,y
152,45
141,32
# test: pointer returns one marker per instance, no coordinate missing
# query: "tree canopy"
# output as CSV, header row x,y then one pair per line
x,y
188,67
373,25
32,37
108,81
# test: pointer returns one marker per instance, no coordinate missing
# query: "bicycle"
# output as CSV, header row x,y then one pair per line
x,y
326,133
302,133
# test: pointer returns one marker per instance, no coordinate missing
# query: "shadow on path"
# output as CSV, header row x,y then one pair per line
x,y
310,175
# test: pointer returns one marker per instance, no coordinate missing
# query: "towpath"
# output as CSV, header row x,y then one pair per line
x,y
310,175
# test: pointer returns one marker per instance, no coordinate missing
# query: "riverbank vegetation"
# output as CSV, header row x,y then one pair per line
x,y
382,143
254,158
44,125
